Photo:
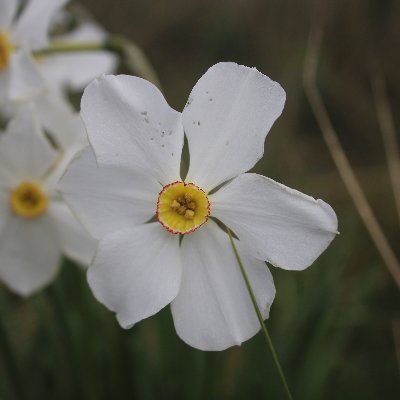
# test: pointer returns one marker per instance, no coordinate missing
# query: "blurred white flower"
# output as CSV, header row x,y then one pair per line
x,y
20,78
36,226
74,70
45,79
140,266
70,71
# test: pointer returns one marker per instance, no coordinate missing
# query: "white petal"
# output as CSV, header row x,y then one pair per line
x,y
29,254
24,151
280,225
213,309
226,120
129,123
75,241
25,80
4,83
33,25
76,70
108,198
65,128
79,69
59,119
136,272
52,179
7,13
4,207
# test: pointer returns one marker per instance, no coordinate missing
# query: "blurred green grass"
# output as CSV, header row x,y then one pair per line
x,y
332,324
331,329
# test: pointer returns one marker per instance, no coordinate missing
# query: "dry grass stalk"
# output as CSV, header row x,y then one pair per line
x,y
386,123
339,157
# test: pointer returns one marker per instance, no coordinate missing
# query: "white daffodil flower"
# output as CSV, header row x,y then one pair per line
x,y
140,265
36,226
20,78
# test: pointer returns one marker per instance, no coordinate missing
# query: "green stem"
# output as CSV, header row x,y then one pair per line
x,y
113,44
56,48
260,318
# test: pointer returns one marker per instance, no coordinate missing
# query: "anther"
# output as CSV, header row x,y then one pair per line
x,y
189,214
181,210
175,205
191,205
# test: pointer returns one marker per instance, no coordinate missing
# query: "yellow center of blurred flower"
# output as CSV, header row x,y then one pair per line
x,y
28,200
5,50
182,207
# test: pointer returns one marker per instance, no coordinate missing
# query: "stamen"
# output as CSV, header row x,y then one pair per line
x,y
175,205
191,205
189,214
28,200
181,210
182,207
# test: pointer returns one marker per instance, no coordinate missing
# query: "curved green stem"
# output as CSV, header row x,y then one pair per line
x,y
115,44
259,316
61,47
